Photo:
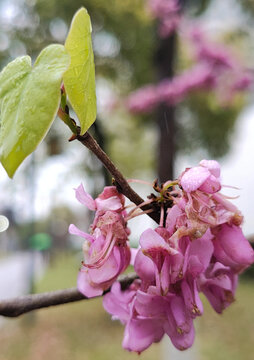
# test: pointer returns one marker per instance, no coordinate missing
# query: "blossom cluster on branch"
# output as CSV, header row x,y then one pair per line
x,y
197,247
215,69
106,250
168,14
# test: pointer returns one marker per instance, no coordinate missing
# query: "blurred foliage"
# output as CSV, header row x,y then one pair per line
x,y
204,123
123,25
248,5
125,43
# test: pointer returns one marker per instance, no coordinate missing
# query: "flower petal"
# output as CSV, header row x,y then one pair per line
x,y
193,178
84,198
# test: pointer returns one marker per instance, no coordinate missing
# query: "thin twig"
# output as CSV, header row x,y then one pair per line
x,y
23,304
123,186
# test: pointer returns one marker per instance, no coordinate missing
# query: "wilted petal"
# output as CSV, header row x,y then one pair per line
x,y
109,270
85,286
84,198
75,231
113,203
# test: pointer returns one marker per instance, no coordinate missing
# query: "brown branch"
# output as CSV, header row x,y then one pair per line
x,y
23,304
88,141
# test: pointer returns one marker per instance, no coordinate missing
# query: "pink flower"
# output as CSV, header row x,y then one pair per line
x,y
168,261
147,316
198,247
218,284
167,11
106,250
143,100
231,248
205,177
109,199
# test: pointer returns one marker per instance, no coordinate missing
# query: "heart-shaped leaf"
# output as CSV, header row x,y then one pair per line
x,y
79,79
29,100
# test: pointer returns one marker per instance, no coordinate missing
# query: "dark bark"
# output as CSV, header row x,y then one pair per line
x,y
165,56
121,183
102,141
23,304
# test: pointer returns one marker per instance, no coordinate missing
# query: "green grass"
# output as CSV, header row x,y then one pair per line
x,y
230,335
84,331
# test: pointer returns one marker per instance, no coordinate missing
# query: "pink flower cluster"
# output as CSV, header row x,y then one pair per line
x,y
171,91
198,247
106,250
216,69
167,12
230,73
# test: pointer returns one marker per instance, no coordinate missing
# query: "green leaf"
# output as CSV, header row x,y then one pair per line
x,y
79,79
29,100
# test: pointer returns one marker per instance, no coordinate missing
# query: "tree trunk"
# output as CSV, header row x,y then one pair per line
x,y
165,56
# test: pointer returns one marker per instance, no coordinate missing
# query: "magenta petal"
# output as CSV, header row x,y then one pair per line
x,y
193,178
172,216
219,285
140,334
235,245
211,185
144,267
154,246
183,323
134,252
84,198
75,231
212,165
176,268
149,305
182,341
165,275
108,270
223,258
117,302
203,249
194,266
149,240
85,286
113,203
191,298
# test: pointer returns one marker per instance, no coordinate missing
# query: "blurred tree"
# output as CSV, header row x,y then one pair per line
x,y
128,54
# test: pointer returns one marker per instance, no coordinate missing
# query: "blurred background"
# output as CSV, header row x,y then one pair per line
x,y
200,58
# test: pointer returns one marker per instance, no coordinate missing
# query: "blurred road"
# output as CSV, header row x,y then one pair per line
x,y
15,274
